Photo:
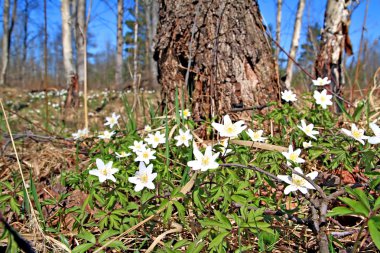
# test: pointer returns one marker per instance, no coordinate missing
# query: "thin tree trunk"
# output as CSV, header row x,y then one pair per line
x,y
135,51
25,42
45,65
153,63
231,63
66,42
120,40
278,27
295,43
334,41
80,45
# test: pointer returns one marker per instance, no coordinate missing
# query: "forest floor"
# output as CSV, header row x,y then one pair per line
x,y
69,213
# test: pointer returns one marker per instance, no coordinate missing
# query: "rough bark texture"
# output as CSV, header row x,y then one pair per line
x,y
334,41
295,43
80,45
278,27
66,42
120,39
231,60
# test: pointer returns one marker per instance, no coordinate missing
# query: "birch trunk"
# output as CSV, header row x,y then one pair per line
x,y
80,45
119,53
278,27
135,51
334,41
231,63
66,42
153,63
295,43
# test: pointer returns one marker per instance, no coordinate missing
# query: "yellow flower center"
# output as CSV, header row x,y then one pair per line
x,y
293,157
256,136
357,134
323,99
104,172
156,139
230,129
308,130
145,155
144,178
205,161
297,181
183,138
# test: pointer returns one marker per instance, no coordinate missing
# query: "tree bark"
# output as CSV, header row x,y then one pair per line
x,y
295,43
66,42
120,40
135,51
80,45
334,41
278,27
7,37
231,63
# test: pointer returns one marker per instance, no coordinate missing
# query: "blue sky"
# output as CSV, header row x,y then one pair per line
x,y
103,19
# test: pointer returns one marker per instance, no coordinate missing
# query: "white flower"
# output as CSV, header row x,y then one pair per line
x,y
306,144
297,182
183,138
224,148
122,154
256,136
143,177
111,121
106,135
288,96
293,156
308,129
145,155
155,139
80,134
376,130
321,98
321,82
185,113
104,171
229,129
138,146
357,134
147,128
204,161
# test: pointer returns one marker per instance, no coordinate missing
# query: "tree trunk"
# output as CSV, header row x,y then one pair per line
x,y
135,51
66,42
231,63
80,30
153,63
295,42
278,27
334,40
120,40
7,37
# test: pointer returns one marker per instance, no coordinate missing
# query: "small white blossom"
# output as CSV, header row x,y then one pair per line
x,y
106,135
288,96
183,138
122,154
297,182
321,98
357,134
104,171
185,113
321,82
143,177
256,136
145,155
111,121
204,161
147,128
138,146
155,139
229,129
224,148
308,129
293,156
376,130
306,144
80,134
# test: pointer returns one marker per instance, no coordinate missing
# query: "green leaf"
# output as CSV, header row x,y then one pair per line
x,y
14,206
374,232
358,112
195,247
223,219
217,240
340,210
86,235
82,248
356,206
35,198
107,234
181,209
212,223
168,213
377,204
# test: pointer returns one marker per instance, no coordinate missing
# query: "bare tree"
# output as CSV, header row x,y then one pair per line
x,y
295,43
66,41
335,40
7,37
278,27
135,51
80,45
120,40
223,47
